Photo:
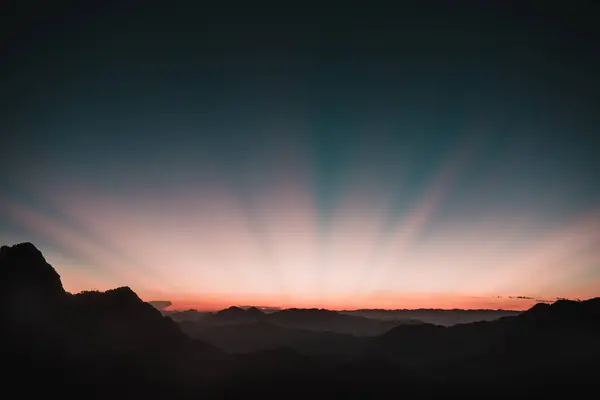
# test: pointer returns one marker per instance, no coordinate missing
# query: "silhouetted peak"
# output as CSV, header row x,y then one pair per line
x,y
539,308
254,311
586,307
564,306
565,310
238,314
123,292
24,272
120,298
22,253
123,318
593,304
233,310
559,306
309,313
26,247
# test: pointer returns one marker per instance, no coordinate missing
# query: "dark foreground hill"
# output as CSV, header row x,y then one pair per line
x,y
92,338
113,345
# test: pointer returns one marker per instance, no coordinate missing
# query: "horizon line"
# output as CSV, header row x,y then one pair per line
x,y
275,309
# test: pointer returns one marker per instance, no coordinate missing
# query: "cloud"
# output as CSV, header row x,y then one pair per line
x,y
160,304
521,297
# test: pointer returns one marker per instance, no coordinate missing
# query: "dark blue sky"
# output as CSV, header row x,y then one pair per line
x,y
351,103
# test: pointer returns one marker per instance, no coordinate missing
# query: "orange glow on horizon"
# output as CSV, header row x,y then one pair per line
x,y
207,302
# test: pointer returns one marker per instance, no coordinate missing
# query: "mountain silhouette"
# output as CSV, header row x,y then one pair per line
x,y
326,320
255,313
186,315
28,284
235,315
434,316
547,338
293,318
32,300
91,337
113,344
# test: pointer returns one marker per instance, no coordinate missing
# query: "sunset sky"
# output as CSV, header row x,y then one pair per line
x,y
400,158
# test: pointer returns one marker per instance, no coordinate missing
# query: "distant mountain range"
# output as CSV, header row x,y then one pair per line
x,y
113,345
435,316
432,316
307,319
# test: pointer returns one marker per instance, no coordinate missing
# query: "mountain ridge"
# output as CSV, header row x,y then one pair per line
x,y
108,341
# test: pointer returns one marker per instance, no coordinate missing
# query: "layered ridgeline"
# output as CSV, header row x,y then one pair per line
x,y
308,331
95,344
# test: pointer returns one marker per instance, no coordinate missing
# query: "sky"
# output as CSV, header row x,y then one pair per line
x,y
439,155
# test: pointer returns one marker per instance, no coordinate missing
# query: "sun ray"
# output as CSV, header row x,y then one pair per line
x,y
409,228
